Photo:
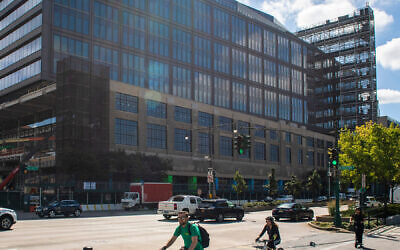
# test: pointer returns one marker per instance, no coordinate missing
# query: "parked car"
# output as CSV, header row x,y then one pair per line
x,y
219,209
287,198
370,201
268,199
294,211
8,217
64,207
178,203
322,198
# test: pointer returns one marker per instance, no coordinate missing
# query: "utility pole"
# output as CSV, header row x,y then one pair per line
x,y
335,164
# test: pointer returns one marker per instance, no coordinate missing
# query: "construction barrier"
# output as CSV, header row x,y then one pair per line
x,y
101,207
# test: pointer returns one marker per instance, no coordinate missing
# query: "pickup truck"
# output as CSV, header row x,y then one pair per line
x,y
178,203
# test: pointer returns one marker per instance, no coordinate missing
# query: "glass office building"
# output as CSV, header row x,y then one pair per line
x,y
183,74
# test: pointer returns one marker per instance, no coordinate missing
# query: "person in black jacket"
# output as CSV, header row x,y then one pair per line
x,y
273,233
358,220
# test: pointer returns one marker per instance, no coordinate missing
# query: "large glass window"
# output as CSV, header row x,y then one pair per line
x,y
221,24
284,107
283,48
239,63
300,157
20,11
202,88
288,155
64,46
274,153
183,140
225,123
126,132
202,16
156,109
222,92
296,53
109,58
156,136
259,131
238,31
71,17
202,52
297,110
310,158
204,143
181,48
284,78
133,30
243,128
255,100
206,119
181,12
106,22
255,68
221,58
270,73
269,43
225,146
158,76
21,53
138,4
297,84
158,38
260,151
159,8
183,114
126,103
270,104
239,96
255,37
21,75
133,69
181,82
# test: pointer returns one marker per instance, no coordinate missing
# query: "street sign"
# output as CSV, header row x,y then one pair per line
x,y
32,168
346,167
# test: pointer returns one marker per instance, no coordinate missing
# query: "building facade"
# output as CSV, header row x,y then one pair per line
x,y
182,75
347,93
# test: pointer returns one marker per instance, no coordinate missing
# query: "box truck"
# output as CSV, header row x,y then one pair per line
x,y
146,193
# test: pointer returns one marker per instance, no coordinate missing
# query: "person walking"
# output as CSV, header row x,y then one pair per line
x,y
358,220
189,232
273,233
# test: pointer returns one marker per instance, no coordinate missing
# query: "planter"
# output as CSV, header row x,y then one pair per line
x,y
257,208
328,218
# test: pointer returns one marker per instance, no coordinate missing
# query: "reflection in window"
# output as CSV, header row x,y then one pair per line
x,y
270,103
156,136
158,38
202,16
106,22
181,45
221,22
202,88
255,37
159,8
269,43
255,68
21,53
270,73
283,49
239,96
133,30
284,107
255,100
158,76
284,78
202,52
238,31
222,92
133,69
221,58
21,75
107,57
239,63
156,109
181,82
297,110
181,12
125,132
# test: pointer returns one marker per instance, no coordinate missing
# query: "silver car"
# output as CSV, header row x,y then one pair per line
x,y
8,217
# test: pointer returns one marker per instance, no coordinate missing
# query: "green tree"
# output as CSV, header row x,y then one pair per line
x,y
373,150
293,186
240,185
313,183
272,185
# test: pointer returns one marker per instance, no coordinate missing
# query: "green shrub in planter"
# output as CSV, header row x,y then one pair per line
x,y
332,207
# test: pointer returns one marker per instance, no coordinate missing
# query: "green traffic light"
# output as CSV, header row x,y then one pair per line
x,y
334,162
241,151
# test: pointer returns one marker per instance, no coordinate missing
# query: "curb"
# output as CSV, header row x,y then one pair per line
x,y
337,229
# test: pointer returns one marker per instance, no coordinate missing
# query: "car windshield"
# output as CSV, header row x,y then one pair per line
x,y
54,203
206,204
177,198
286,205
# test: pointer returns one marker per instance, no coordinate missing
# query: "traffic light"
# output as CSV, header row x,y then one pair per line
x,y
238,144
247,141
333,156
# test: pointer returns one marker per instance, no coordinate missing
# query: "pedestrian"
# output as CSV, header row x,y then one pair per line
x,y
358,222
191,238
273,233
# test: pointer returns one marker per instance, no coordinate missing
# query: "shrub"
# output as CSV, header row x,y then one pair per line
x,y
332,207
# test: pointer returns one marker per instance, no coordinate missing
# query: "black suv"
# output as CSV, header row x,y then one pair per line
x,y
218,209
64,207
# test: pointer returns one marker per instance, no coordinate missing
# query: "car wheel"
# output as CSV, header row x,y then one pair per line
x,y
77,213
167,216
239,217
220,218
6,222
311,216
66,215
52,214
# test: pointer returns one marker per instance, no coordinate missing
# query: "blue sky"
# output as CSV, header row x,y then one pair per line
x,y
295,14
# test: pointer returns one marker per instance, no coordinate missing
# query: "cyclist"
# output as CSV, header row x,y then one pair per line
x,y
192,239
273,233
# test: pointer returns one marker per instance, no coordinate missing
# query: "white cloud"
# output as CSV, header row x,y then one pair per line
x,y
246,2
381,19
387,96
284,9
388,55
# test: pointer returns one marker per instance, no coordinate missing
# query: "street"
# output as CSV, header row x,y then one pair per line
x,y
151,231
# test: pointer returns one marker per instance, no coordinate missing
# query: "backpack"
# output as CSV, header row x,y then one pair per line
x,y
205,237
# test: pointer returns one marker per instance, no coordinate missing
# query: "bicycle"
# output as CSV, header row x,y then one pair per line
x,y
265,246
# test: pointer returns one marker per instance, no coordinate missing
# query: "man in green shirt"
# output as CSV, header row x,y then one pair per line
x,y
192,239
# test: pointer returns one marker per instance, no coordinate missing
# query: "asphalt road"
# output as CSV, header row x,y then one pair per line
x,y
151,231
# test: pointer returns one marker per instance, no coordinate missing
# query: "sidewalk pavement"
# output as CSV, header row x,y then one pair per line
x,y
32,216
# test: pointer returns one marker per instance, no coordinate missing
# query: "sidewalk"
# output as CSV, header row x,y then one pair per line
x,y
32,216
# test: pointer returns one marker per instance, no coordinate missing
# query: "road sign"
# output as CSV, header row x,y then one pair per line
x,y
32,168
346,167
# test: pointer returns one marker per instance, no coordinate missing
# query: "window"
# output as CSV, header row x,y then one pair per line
x,y
204,143
74,19
269,43
300,157
260,151
202,16
23,52
288,155
108,57
259,131
65,46
126,103
158,76
243,128
273,135
202,88
225,146
239,96
274,153
239,63
255,69
310,158
125,132
271,105
297,110
288,137
133,30
183,114
283,49
296,53
299,140
159,8
180,141
181,45
181,12
181,82
270,73
221,24
284,78
138,4
255,100
255,37
158,38
221,58
106,22
284,107
133,69
310,142
156,109
238,31
202,52
156,136
225,124
222,92
21,75
297,84
206,119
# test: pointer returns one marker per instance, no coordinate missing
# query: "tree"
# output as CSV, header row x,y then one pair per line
x,y
373,150
313,183
272,185
240,185
293,186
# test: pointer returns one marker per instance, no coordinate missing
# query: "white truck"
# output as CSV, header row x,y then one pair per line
x,y
394,194
146,193
178,203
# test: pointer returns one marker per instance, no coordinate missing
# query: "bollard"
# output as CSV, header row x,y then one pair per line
x,y
87,248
